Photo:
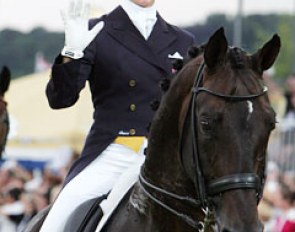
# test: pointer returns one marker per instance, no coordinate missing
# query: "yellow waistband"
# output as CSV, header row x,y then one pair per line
x,y
133,142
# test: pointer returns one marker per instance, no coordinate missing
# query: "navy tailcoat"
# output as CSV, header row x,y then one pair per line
x,y
124,71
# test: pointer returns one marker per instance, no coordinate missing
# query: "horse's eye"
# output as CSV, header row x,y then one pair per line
x,y
205,125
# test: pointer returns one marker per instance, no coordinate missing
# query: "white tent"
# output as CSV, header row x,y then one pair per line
x,y
37,127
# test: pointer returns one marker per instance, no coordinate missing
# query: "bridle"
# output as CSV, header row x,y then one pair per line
x,y
225,183
206,192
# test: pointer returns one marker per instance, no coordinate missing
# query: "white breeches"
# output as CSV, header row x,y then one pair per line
x,y
96,179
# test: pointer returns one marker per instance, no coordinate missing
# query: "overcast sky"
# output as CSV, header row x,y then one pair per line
x,y
27,14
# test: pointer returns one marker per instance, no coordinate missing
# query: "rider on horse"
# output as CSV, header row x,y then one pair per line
x,y
124,56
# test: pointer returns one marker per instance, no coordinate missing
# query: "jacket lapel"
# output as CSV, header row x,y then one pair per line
x,y
122,29
161,37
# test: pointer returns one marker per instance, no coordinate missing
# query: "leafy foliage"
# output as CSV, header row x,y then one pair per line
x,y
18,50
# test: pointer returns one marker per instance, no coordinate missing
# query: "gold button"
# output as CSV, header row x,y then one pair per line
x,y
132,83
132,131
132,107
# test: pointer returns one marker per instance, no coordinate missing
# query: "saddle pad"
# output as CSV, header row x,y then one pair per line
x,y
125,182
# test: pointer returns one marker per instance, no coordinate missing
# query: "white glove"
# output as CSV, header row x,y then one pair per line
x,y
77,34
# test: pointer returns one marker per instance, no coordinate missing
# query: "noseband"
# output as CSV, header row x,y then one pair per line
x,y
225,183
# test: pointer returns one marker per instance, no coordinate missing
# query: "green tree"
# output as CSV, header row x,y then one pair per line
x,y
18,50
284,63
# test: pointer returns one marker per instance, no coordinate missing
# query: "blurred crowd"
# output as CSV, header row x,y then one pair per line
x,y
24,192
277,207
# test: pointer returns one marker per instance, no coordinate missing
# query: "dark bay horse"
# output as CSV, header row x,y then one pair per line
x,y
4,119
205,163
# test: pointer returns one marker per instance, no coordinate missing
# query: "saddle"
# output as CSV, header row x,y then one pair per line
x,y
93,214
36,222
86,217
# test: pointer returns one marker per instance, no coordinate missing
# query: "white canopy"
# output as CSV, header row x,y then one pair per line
x,y
35,125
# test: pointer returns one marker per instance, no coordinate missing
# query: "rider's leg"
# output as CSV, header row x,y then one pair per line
x,y
95,180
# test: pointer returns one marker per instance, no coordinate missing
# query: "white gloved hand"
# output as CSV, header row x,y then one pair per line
x,y
77,34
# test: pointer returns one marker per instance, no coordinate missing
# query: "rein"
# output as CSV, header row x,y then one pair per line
x,y
185,199
143,183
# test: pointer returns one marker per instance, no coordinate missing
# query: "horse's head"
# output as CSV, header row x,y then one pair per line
x,y
224,154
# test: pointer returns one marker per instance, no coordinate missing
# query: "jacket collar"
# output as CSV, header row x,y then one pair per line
x,y
120,27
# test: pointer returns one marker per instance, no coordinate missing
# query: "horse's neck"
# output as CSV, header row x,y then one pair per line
x,y
162,165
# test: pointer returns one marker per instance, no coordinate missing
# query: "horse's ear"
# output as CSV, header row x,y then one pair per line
x,y
215,49
4,80
265,57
